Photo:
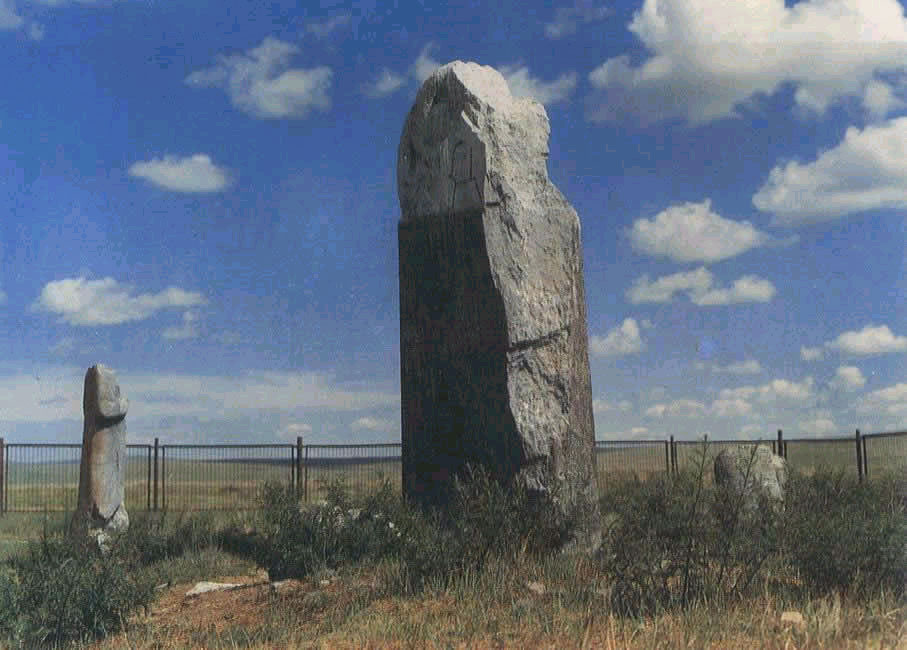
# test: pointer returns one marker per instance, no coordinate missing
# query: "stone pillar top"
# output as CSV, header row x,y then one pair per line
x,y
102,394
463,122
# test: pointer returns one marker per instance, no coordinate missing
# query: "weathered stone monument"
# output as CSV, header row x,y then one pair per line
x,y
750,471
494,347
101,508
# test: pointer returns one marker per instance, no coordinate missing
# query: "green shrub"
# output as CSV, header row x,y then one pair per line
x,y
677,540
847,536
153,538
58,590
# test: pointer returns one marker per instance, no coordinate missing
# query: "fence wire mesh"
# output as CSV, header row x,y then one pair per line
x,y
361,469
617,460
221,477
44,477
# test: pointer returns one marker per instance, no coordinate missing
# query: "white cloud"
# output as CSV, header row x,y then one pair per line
x,y
522,84
677,408
567,19
748,367
867,170
819,427
293,430
811,354
325,28
699,286
372,424
604,406
890,401
749,288
9,19
692,232
726,408
880,100
2,297
424,65
848,378
261,83
773,391
664,288
188,330
870,341
706,56
35,31
387,83
192,174
106,302
622,340
55,393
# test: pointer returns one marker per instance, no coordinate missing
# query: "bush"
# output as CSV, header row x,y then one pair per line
x,y
847,536
151,538
484,519
58,591
676,540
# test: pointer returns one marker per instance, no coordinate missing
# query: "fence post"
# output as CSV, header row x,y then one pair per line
x,y
865,459
2,475
667,457
859,456
148,470
156,448
298,466
164,478
782,446
305,477
673,456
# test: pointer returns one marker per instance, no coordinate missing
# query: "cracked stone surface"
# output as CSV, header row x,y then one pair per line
x,y
494,345
101,507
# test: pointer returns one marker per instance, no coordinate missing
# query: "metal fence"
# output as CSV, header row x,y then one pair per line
x,y
44,477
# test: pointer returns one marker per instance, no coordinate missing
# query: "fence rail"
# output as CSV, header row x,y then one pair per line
x,y
44,477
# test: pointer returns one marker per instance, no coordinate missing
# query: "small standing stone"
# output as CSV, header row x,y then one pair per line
x,y
751,471
101,509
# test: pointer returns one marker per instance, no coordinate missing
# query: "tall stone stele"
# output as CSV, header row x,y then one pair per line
x,y
101,509
494,346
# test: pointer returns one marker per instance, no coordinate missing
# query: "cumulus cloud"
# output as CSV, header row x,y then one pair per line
x,y
522,84
622,340
424,65
774,391
811,354
889,401
848,378
867,170
819,426
604,406
566,20
727,408
872,340
55,393
324,28
262,84
748,367
80,301
387,83
699,286
372,424
692,232
707,56
188,330
677,408
190,174
9,18
880,100
2,297
293,430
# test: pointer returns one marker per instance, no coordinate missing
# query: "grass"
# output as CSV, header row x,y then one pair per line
x,y
680,567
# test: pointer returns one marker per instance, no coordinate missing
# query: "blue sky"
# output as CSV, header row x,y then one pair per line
x,y
203,196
